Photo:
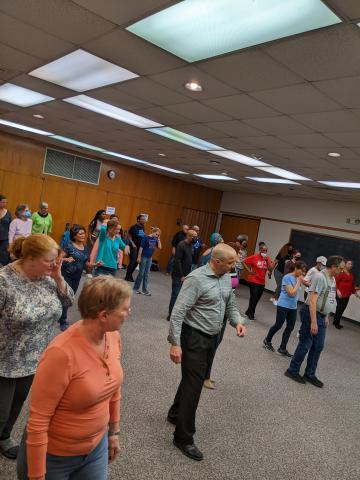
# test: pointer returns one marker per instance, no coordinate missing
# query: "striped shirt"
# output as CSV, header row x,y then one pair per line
x,y
203,302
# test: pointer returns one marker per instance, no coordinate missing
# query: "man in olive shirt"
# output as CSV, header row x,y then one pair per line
x,y
206,297
314,314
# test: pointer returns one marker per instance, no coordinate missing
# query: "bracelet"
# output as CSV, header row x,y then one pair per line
x,y
113,434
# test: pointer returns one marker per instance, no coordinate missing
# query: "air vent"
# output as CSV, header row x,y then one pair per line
x,y
66,165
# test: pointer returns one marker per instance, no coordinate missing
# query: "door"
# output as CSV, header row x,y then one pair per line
x,y
232,226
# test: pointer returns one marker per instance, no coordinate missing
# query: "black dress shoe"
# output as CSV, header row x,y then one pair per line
x,y
190,451
285,353
339,327
295,376
314,381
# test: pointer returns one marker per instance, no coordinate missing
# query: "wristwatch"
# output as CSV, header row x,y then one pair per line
x,y
113,434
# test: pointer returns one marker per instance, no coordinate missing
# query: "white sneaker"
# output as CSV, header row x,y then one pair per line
x,y
274,302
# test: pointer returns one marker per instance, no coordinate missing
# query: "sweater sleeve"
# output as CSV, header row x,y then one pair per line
x,y
114,407
50,223
51,380
12,231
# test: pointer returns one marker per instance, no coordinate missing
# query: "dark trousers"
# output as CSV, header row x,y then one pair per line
x,y
278,279
132,263
212,353
309,344
13,393
175,289
170,265
342,303
4,253
256,291
283,314
73,282
196,348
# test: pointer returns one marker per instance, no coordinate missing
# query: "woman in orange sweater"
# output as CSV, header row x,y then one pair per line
x,y
73,425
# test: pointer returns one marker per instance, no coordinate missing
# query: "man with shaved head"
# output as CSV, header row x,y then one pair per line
x,y
205,299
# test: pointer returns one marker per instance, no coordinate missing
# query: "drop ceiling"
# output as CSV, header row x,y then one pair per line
x,y
288,102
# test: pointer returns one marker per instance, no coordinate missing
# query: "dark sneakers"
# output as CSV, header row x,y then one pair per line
x,y
190,451
285,353
268,345
338,326
314,381
295,376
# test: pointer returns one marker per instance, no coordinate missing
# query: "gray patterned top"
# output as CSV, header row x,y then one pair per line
x,y
29,310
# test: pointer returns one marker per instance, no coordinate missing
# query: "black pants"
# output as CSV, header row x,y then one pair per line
x,y
4,253
342,303
256,291
196,347
73,281
132,263
211,355
13,393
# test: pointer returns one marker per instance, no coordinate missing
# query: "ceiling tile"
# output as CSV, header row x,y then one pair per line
x,y
197,112
322,54
293,153
203,131
151,91
265,141
250,71
278,125
346,153
13,62
120,99
164,116
63,19
241,106
338,121
351,8
176,79
31,40
126,12
302,98
235,128
38,85
309,140
119,46
345,91
349,139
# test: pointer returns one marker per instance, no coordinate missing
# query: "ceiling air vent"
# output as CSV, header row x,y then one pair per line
x,y
66,165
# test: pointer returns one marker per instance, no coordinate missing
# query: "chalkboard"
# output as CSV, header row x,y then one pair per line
x,y
312,245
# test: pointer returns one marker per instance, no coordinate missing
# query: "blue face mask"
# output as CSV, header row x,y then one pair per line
x,y
27,214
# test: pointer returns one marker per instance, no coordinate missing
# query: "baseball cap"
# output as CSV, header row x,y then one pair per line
x,y
321,260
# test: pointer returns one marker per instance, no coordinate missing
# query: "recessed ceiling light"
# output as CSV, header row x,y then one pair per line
x,y
60,138
23,97
280,172
182,137
273,180
161,154
37,115
334,154
24,127
341,184
108,110
238,157
82,71
214,177
214,162
194,86
197,29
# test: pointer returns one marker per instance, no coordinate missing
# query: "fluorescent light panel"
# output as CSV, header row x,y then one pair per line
x,y
82,71
341,184
238,157
143,162
24,127
23,97
273,180
280,172
108,110
182,137
60,138
214,177
198,29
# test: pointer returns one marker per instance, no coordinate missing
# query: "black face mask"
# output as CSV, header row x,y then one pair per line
x,y
194,240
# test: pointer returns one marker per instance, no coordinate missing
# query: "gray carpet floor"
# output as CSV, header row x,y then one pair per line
x,y
257,424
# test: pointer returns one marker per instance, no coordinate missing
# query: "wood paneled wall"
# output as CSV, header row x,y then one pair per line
x,y
132,192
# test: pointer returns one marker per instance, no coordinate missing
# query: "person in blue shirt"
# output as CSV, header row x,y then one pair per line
x,y
109,244
287,307
214,240
147,248
198,245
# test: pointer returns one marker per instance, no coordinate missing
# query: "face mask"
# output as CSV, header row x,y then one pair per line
x,y
297,259
194,240
263,254
27,214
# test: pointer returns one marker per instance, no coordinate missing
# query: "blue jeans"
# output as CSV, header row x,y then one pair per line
x,y
175,289
283,314
104,271
308,343
143,275
80,467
